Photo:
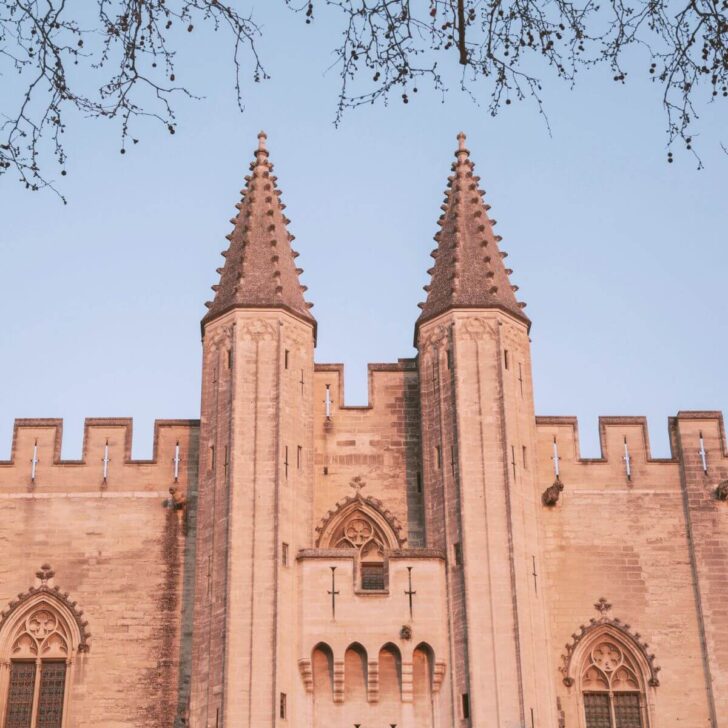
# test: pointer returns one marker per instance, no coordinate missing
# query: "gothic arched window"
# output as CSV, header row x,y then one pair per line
x,y
360,523
613,672
612,684
39,637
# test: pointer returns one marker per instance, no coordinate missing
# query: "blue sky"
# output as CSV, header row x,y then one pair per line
x,y
621,257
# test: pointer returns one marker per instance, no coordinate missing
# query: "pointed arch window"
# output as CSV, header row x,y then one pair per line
x,y
39,637
360,523
612,689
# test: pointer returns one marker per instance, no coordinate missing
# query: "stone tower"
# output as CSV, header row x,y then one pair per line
x,y
478,445
255,468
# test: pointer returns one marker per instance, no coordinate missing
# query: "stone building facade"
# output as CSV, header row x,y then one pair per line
x,y
439,558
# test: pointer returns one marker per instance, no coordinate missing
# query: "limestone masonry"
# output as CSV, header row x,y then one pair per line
x,y
441,557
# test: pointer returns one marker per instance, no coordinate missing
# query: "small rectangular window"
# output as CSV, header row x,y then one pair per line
x,y
506,359
438,456
525,458
299,457
229,358
627,710
284,554
285,359
326,469
465,706
596,710
212,457
372,577
20,693
419,482
283,706
458,552
449,358
51,693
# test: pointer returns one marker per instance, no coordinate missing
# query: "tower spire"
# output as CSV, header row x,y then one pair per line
x,y
260,269
469,271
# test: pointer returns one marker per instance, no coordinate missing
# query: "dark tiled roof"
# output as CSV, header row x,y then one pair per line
x,y
260,267
469,271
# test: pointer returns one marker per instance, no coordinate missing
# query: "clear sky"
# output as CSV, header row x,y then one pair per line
x,y
621,257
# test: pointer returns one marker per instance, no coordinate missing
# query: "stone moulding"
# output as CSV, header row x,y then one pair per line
x,y
608,624
54,594
367,504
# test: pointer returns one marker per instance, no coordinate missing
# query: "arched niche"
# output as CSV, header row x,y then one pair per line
x,y
41,632
613,675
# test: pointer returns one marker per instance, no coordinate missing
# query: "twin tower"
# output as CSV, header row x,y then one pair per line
x,y
370,566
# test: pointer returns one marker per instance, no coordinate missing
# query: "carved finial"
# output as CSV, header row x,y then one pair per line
x,y
262,136
602,606
357,484
461,142
45,574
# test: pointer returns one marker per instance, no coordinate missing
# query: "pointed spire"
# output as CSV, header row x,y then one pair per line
x,y
260,269
469,271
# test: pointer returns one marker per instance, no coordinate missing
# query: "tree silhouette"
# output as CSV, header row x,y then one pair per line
x,y
116,58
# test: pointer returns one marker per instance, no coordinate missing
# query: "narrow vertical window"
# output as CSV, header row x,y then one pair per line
x,y
20,694
212,457
34,461
458,553
229,358
328,401
520,377
465,705
525,457
283,706
438,456
52,691
419,482
506,359
285,359
449,358
299,457
284,554
176,461
226,462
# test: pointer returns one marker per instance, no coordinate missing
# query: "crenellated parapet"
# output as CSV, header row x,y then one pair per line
x,y
626,459
106,463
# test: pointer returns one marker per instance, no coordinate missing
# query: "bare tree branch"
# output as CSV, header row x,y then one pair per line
x,y
115,59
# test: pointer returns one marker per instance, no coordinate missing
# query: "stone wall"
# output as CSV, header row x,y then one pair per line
x,y
121,551
619,533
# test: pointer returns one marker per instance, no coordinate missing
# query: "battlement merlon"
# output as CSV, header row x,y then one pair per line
x,y
626,458
106,462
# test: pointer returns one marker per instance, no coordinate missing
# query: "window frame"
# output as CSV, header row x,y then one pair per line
x,y
42,599
606,632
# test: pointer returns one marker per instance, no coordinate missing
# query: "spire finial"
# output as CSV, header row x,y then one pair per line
x,y
463,152
262,136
